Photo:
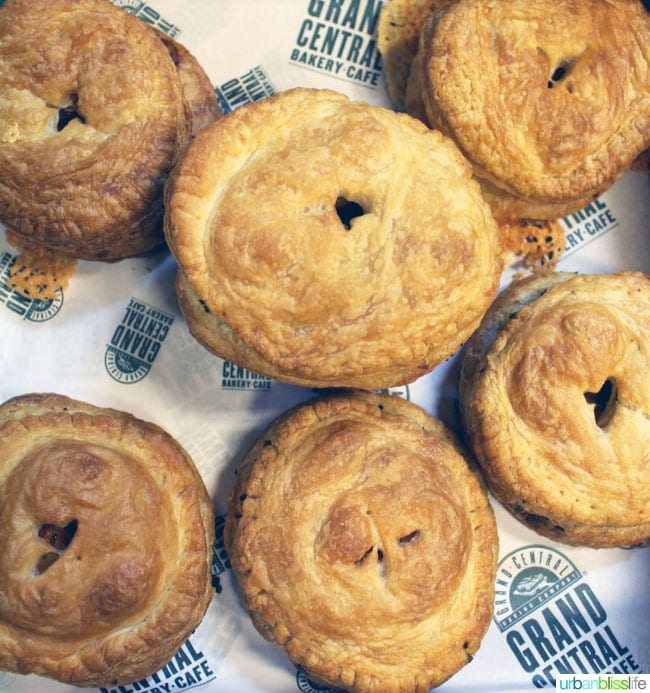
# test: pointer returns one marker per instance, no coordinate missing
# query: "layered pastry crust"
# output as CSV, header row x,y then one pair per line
x,y
398,32
106,543
364,545
274,276
95,108
551,104
555,398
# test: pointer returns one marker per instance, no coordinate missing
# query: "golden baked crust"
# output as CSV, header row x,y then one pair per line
x,y
549,101
106,545
91,187
198,91
398,31
274,280
364,545
555,400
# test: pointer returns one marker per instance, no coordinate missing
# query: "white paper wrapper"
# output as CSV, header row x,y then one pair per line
x,y
116,338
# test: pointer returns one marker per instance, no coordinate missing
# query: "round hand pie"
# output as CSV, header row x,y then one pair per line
x,y
364,545
555,395
549,101
105,543
325,242
95,108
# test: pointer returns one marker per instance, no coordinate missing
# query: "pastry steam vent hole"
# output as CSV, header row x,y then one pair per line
x,y
379,555
405,540
560,73
604,402
410,538
348,210
68,113
59,539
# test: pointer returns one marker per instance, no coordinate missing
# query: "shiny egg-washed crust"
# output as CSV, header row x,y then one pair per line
x,y
566,462
364,544
134,580
271,278
549,101
93,189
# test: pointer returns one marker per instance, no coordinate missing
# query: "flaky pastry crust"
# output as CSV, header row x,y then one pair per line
x,y
555,399
94,112
106,542
273,278
398,32
549,101
198,92
364,545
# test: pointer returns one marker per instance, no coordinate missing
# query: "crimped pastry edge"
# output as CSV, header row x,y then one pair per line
x,y
122,656
519,294
262,453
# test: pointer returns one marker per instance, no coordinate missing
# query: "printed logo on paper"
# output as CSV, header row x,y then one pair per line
x,y
251,86
399,391
234,377
553,621
149,15
220,561
136,342
591,222
337,37
30,309
306,686
189,668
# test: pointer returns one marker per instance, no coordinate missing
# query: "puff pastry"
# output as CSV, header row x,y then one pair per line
x,y
549,101
106,545
555,398
96,106
398,32
325,242
364,545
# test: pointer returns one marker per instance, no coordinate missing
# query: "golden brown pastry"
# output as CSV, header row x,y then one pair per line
x,y
364,545
549,101
107,543
325,242
95,109
398,31
202,106
555,397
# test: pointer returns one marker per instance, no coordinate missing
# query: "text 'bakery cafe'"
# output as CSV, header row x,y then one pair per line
x,y
337,37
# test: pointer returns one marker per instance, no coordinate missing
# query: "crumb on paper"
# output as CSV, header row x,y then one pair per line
x,y
38,273
536,245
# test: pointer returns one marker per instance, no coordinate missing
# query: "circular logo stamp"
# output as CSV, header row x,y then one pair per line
x,y
305,685
526,579
132,6
124,368
41,311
